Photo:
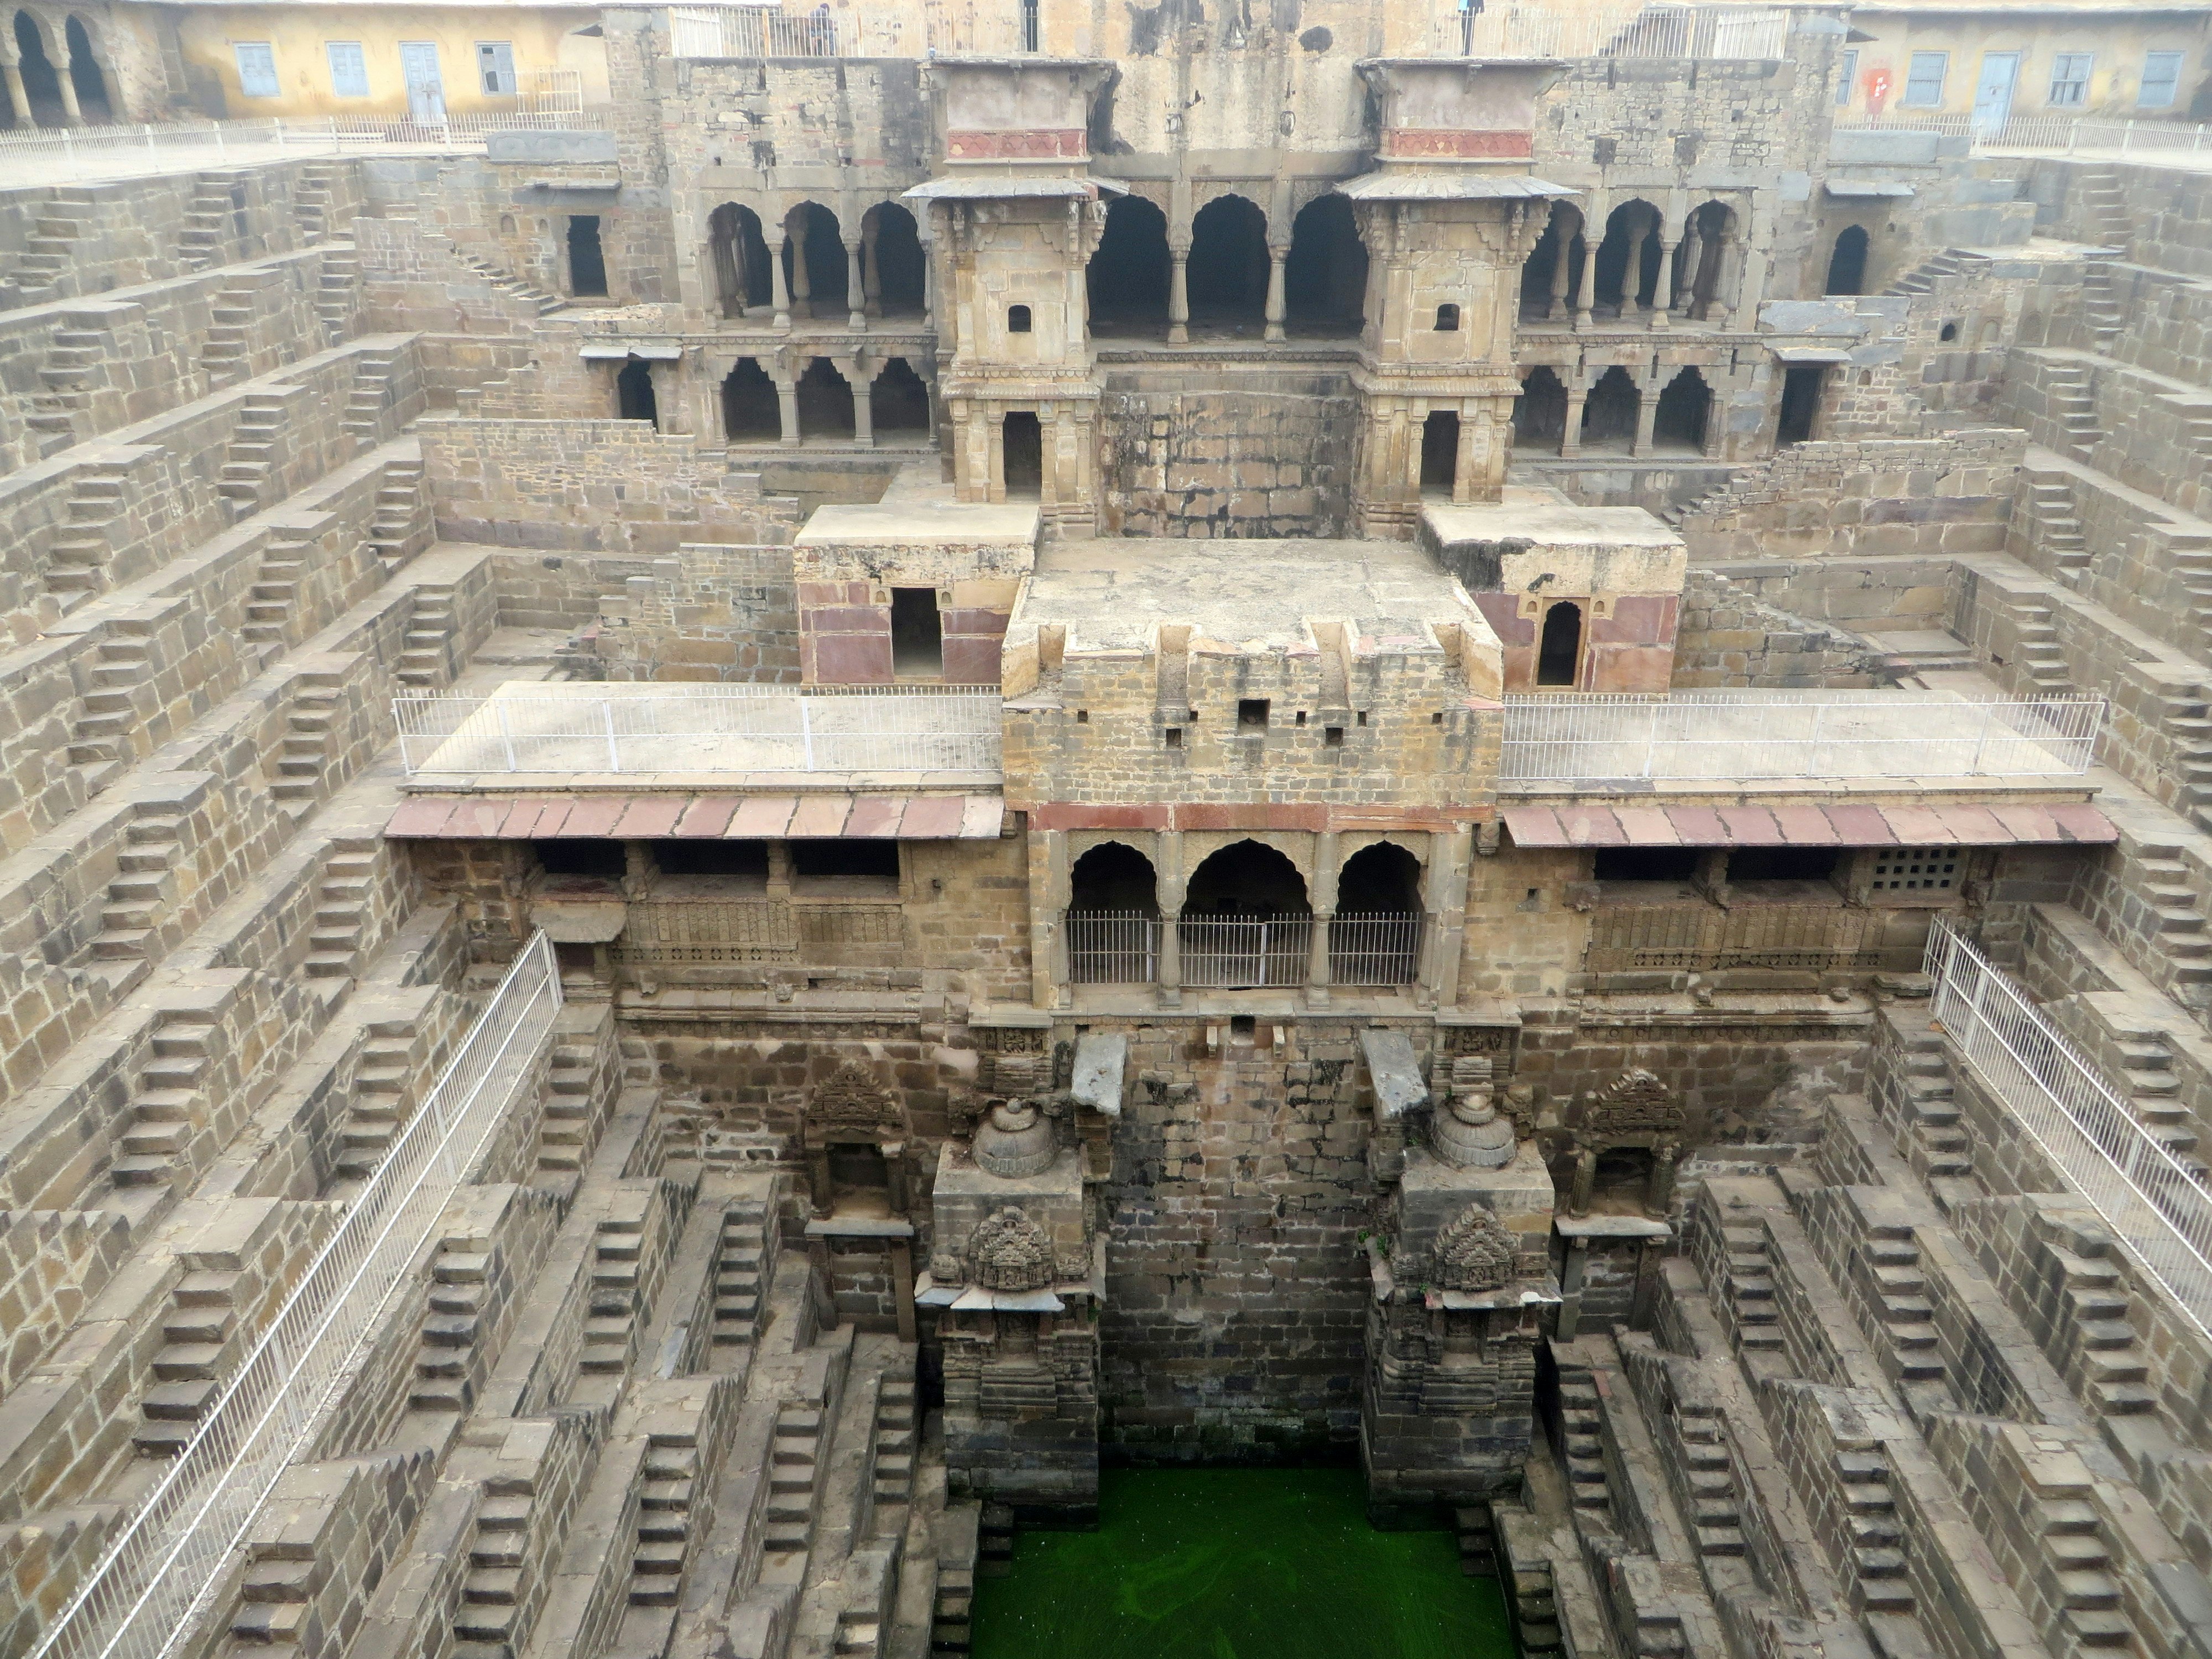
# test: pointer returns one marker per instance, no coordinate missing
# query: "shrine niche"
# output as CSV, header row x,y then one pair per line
x,y
1475,1253
1634,1103
1010,1252
1627,1139
855,1134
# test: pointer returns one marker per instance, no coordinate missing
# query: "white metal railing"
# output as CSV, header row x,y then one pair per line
x,y
1650,31
552,92
1112,947
86,150
679,726
1832,734
1245,952
750,32
2158,1209
153,1583
2067,135
943,27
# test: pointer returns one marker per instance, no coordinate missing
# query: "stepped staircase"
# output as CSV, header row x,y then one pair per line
x,y
163,1105
381,1103
2100,309
491,1590
894,1441
396,533
109,712
276,587
450,1329
1934,1143
73,364
740,1270
187,1366
2040,655
2105,205
336,294
306,749
2074,405
564,1133
77,559
669,1478
250,459
422,659
225,358
1923,277
208,222
50,250
1878,1561
2054,525
795,1467
370,395
513,287
153,840
1908,1318
610,1328
334,946
311,202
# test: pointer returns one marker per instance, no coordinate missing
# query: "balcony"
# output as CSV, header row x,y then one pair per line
x,y
1729,737
764,733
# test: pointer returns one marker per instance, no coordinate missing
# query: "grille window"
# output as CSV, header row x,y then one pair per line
x,y
1916,870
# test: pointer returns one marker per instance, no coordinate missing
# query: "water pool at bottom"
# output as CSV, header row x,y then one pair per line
x,y
1237,1564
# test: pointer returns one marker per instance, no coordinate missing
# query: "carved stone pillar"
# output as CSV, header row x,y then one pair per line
x,y
1587,296
856,288
864,414
1563,271
1179,296
870,277
779,289
1570,440
786,409
1276,256
70,113
1662,297
18,99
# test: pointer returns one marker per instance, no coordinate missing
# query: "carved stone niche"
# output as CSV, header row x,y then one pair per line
x,y
1635,1112
855,1133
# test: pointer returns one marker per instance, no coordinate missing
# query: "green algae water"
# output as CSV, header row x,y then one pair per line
x,y
1237,1564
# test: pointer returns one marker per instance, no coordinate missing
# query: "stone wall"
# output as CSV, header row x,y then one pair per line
x,y
1730,637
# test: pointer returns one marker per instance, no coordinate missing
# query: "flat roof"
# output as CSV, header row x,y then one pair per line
x,y
1257,595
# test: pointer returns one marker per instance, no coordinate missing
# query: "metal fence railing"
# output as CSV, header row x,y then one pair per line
x,y
1374,949
1242,952
1122,947
2065,135
1587,735
2152,1202
88,150
153,1583
1112,947
676,726
1650,31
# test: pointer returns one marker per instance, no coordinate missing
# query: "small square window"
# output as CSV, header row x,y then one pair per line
x,y
1447,319
1332,737
348,69
1174,735
1017,319
2162,80
256,68
1923,79
2070,79
1252,714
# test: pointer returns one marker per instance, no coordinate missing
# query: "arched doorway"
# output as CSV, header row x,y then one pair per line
x,y
813,261
1553,265
1560,648
1024,455
825,402
1540,414
893,263
1112,917
42,85
634,397
1628,260
751,411
1714,225
898,404
1440,451
1247,921
1325,274
742,279
1847,265
84,73
1228,270
1685,408
1127,277
1374,938
1610,410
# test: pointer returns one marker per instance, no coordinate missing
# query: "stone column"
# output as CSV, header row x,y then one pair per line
x,y
779,290
786,409
1647,413
1327,847
1570,440
1662,297
856,288
1570,1288
1686,274
1588,296
802,285
864,414
1445,903
1725,268
1631,274
1169,874
1563,259
872,284
1465,466
1179,295
994,432
1276,256
18,99
70,113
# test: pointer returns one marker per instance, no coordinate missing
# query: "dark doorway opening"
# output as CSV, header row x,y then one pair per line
x,y
41,84
1847,265
588,260
825,401
1113,877
1646,864
1539,275
1685,406
603,860
1559,654
1024,455
1800,403
704,857
742,279
898,403
1610,410
1228,271
752,412
1384,879
1325,274
917,633
634,399
1540,415
897,262
84,73
1127,277
1246,878
1440,450
1113,912
1631,235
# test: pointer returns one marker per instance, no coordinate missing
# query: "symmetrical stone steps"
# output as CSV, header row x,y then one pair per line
x,y
2104,203
491,1587
564,1135
1907,1317
276,588
137,897
306,742
400,529
166,1104
425,661
334,946
2055,523
895,1444
188,1366
370,396
740,1273
1582,1447
617,1298
451,1328
2074,402
2100,310
337,295
100,736
75,559
382,1101
1748,1307
311,202
2042,659
1923,277
207,221
250,459
668,1479
49,250
795,1469
223,354
73,367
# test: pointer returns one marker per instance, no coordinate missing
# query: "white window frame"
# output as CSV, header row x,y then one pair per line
x,y
249,78
2070,79
353,82
502,64
2172,83
1912,77
1844,81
